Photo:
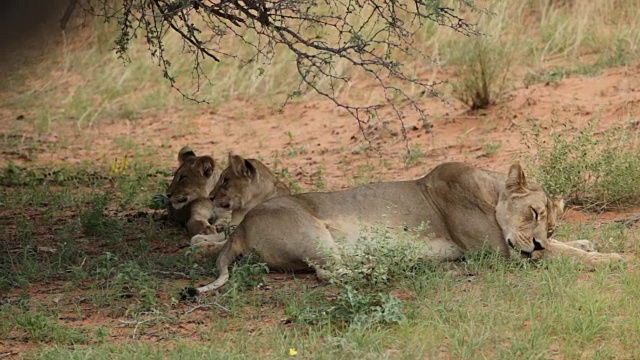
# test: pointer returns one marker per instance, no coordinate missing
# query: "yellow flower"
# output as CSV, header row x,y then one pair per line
x,y
115,168
293,352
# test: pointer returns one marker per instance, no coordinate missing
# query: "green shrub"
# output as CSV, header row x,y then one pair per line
x,y
482,65
247,273
590,169
363,274
95,222
42,328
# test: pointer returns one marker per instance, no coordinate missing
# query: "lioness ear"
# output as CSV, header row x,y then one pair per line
x,y
558,204
241,167
516,180
206,165
184,154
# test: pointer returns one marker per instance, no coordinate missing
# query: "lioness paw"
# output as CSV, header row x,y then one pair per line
x,y
599,258
584,245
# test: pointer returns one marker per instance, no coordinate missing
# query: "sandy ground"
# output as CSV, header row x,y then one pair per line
x,y
315,135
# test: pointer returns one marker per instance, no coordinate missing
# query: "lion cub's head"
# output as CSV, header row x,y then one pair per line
x,y
195,178
244,184
525,213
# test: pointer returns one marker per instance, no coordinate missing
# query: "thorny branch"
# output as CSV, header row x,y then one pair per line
x,y
323,35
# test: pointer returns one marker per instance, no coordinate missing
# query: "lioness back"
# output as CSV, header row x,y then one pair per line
x,y
455,201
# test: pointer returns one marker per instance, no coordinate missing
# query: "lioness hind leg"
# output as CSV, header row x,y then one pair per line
x,y
206,246
230,251
441,249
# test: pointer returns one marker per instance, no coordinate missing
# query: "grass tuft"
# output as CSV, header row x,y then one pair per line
x,y
598,171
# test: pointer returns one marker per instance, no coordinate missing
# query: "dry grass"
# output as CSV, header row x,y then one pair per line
x,y
83,81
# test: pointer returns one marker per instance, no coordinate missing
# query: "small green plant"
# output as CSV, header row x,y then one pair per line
x,y
618,56
491,148
318,180
41,328
378,257
248,273
160,202
134,281
593,170
413,157
295,151
482,67
119,279
95,221
285,175
614,57
18,269
551,76
363,274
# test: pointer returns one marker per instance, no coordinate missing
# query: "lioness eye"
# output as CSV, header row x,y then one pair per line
x,y
535,213
182,177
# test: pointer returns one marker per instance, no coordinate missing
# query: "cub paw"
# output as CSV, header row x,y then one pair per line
x,y
205,249
219,228
197,239
210,230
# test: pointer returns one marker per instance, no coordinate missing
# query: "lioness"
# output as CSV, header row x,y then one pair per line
x,y
244,184
466,209
189,194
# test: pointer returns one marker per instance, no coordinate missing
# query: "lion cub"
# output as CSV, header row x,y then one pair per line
x,y
244,184
189,194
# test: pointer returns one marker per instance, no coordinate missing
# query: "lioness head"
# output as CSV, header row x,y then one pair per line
x,y
244,184
525,213
194,178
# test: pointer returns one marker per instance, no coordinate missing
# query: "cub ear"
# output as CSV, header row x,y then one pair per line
x,y
206,165
516,181
558,204
241,167
184,154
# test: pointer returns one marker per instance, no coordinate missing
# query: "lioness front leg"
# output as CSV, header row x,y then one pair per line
x,y
556,249
585,245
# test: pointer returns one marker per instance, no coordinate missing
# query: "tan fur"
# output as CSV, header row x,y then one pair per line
x,y
189,193
465,208
244,184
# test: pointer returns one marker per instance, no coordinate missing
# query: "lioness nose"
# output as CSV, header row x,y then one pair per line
x,y
537,245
